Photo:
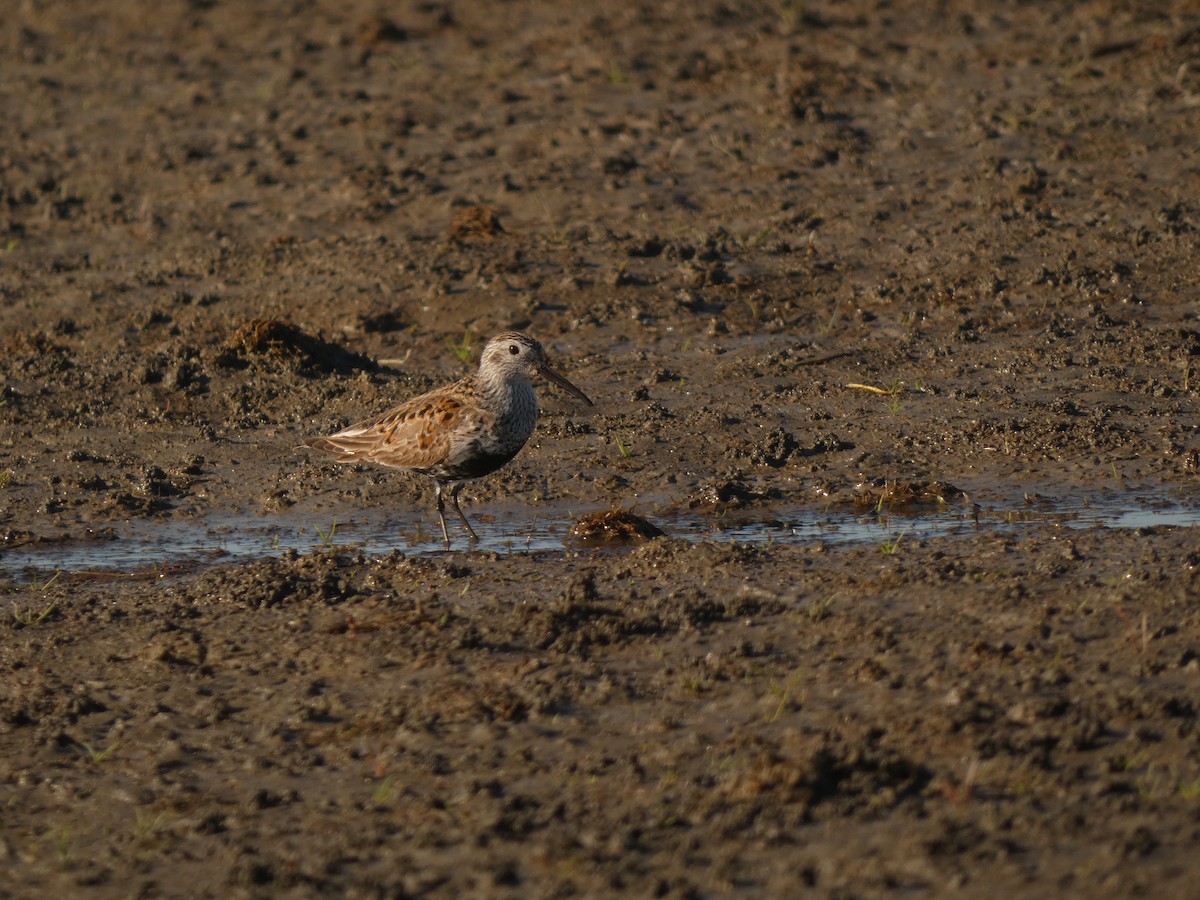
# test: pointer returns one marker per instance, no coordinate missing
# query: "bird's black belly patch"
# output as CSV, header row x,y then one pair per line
x,y
477,465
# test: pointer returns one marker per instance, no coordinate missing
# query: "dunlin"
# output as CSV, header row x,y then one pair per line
x,y
461,431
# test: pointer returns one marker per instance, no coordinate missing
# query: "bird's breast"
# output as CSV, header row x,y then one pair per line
x,y
520,417
494,438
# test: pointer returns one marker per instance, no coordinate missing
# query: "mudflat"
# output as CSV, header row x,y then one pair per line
x,y
893,258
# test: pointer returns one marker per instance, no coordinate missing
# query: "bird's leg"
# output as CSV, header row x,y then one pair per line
x,y
454,499
441,508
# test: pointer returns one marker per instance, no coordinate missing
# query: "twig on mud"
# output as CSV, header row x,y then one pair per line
x,y
395,361
886,392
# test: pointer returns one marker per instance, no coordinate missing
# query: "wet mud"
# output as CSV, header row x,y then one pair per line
x,y
886,257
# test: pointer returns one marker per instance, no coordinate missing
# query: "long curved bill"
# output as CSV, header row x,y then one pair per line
x,y
554,378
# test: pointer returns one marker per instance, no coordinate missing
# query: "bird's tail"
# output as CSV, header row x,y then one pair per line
x,y
341,448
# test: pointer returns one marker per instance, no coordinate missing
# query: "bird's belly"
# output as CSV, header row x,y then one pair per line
x,y
486,450
474,465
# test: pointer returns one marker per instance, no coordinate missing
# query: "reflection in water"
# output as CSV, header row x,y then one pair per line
x,y
154,548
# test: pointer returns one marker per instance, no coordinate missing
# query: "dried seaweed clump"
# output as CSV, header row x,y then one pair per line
x,y
272,338
614,526
898,495
475,221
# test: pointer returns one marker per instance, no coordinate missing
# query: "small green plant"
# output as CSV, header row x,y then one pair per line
x,y
786,692
736,153
894,393
30,615
1138,760
891,546
762,236
100,756
790,10
556,232
37,585
819,609
6,476
827,326
728,763
1155,782
623,450
401,63
464,348
147,827
384,794
1152,786
62,844
1030,783
1190,790
327,537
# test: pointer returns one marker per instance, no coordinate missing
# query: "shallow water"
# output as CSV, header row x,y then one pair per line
x,y
164,548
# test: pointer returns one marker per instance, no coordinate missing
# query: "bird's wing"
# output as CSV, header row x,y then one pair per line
x,y
416,435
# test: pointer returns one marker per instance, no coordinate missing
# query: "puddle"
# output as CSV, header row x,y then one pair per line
x,y
153,549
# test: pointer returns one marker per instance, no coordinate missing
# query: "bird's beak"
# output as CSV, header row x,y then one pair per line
x,y
554,378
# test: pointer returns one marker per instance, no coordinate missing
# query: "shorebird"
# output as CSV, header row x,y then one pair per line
x,y
461,431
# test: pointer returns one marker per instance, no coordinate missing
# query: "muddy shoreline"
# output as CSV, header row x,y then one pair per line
x,y
789,253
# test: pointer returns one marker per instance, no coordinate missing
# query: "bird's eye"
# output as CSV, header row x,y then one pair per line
x,y
514,349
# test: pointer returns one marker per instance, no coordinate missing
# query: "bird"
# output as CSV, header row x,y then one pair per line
x,y
461,431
